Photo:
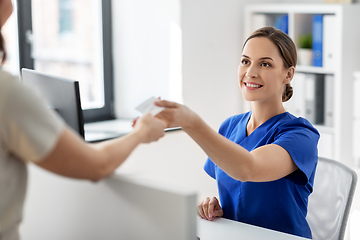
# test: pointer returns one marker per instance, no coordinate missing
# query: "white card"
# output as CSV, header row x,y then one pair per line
x,y
149,107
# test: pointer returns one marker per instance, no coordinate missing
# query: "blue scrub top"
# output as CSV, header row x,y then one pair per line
x,y
281,204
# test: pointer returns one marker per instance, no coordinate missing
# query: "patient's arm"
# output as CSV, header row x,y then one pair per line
x,y
73,157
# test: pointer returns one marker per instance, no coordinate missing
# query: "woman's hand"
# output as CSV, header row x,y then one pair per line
x,y
150,128
177,115
210,208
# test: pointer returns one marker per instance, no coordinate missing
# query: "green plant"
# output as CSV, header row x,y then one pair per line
x,y
305,41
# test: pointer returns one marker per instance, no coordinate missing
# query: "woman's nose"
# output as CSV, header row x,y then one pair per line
x,y
252,72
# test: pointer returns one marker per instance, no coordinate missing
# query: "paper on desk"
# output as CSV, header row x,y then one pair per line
x,y
149,106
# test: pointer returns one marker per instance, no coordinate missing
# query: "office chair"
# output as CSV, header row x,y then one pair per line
x,y
329,204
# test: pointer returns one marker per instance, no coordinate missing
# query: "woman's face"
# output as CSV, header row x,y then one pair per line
x,y
6,9
262,75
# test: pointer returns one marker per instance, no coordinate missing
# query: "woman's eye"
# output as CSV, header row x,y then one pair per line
x,y
244,62
265,64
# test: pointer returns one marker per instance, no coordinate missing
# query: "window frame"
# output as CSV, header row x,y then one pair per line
x,y
25,60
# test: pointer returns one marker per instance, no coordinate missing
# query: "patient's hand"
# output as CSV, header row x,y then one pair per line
x,y
149,128
210,208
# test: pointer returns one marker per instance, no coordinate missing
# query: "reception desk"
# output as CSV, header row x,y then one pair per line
x,y
123,207
221,228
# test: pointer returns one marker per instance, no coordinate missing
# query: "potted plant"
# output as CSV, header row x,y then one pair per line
x,y
305,50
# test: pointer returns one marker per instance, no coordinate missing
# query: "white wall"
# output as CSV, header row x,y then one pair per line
x,y
211,53
210,49
147,61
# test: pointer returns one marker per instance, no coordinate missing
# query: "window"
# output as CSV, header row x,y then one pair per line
x,y
66,16
71,39
10,35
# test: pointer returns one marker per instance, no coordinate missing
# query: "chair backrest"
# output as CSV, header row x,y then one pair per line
x,y
329,204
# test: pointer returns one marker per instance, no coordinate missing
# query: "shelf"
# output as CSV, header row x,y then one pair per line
x,y
312,69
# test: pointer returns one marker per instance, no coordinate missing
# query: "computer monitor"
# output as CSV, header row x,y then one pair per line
x,y
61,94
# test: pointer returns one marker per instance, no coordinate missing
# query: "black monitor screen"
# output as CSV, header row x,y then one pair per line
x,y
61,94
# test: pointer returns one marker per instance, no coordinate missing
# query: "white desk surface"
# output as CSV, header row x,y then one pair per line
x,y
221,228
104,130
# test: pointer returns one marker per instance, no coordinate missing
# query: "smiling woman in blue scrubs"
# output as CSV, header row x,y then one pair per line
x,y
264,160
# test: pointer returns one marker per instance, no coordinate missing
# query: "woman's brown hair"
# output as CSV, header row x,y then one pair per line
x,y
286,48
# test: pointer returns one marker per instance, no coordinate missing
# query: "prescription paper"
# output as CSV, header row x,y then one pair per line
x,y
149,106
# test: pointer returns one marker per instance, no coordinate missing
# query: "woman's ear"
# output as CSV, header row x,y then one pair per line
x,y
289,74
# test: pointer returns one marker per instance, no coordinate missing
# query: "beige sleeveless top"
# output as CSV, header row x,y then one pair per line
x,y
28,132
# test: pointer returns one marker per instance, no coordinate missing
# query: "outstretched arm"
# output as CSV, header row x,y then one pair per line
x,y
72,157
266,163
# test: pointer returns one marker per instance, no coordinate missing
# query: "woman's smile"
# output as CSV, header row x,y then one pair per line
x,y
251,85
